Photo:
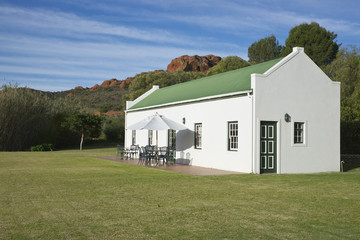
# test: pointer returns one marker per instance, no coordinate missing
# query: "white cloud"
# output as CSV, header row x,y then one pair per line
x,y
44,44
60,23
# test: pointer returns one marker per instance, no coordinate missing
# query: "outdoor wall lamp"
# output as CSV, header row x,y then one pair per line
x,y
184,120
287,117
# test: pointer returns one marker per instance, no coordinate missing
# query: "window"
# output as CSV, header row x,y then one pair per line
x,y
133,137
198,135
298,132
150,137
232,136
171,138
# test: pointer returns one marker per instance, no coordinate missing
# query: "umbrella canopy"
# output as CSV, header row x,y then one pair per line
x,y
157,122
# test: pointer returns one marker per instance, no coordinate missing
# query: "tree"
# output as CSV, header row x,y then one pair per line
x,y
85,125
345,68
29,117
23,114
114,129
319,44
264,50
227,64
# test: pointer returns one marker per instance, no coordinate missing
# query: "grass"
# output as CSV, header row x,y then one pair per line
x,y
71,195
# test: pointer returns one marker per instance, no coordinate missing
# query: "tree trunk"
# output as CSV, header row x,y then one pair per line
x,y
82,140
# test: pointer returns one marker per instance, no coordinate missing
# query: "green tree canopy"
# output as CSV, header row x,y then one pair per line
x,y
227,64
264,50
84,124
29,117
23,113
319,43
346,69
144,81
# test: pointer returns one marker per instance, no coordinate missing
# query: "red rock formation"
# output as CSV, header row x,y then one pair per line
x,y
70,94
110,83
95,87
193,63
79,88
126,82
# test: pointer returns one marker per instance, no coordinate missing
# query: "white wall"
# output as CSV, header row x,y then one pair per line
x,y
214,116
302,90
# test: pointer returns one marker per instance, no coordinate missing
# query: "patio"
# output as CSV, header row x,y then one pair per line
x,y
180,168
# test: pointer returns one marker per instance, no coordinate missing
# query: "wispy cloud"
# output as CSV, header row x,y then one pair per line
x,y
85,42
65,23
239,16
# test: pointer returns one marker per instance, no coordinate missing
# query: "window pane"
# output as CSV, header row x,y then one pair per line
x,y
298,132
171,138
133,142
233,135
198,135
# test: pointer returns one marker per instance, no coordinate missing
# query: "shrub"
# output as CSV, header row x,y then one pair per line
x,y
29,117
114,129
23,113
42,148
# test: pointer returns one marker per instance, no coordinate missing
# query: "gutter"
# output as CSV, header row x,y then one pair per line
x,y
209,98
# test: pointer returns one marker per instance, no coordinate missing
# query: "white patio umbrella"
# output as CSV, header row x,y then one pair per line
x,y
156,122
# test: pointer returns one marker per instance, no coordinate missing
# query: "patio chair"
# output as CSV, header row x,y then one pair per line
x,y
134,149
142,156
162,155
150,154
120,152
171,156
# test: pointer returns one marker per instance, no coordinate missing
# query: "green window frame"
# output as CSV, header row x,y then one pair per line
x,y
233,136
172,139
299,128
198,136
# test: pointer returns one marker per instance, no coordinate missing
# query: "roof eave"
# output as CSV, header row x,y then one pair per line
x,y
214,97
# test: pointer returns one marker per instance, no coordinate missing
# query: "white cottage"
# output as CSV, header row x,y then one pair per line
x,y
280,116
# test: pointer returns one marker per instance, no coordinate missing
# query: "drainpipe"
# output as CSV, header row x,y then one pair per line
x,y
252,133
253,122
125,131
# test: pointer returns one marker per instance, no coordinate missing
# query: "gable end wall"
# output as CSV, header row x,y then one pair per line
x,y
299,88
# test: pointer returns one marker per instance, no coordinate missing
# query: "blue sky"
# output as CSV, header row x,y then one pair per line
x,y
56,45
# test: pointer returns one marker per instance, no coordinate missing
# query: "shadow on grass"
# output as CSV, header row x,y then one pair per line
x,y
351,166
350,162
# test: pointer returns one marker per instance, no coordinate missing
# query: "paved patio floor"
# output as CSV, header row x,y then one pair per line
x,y
185,169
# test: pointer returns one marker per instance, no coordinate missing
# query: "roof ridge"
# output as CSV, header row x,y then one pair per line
x,y
219,74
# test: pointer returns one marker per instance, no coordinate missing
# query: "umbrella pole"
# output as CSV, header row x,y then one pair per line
x,y
157,145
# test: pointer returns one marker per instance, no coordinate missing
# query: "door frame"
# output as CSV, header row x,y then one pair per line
x,y
276,147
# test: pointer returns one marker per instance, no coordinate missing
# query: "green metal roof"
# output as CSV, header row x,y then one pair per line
x,y
223,83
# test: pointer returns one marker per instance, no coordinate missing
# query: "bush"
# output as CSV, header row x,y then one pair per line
x,y
29,117
42,148
23,113
114,129
350,137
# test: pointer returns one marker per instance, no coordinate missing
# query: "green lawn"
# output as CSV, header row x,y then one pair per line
x,y
71,195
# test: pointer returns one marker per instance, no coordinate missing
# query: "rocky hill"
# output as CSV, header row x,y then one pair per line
x,y
193,63
110,94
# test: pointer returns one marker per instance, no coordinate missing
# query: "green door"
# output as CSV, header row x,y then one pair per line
x,y
268,147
